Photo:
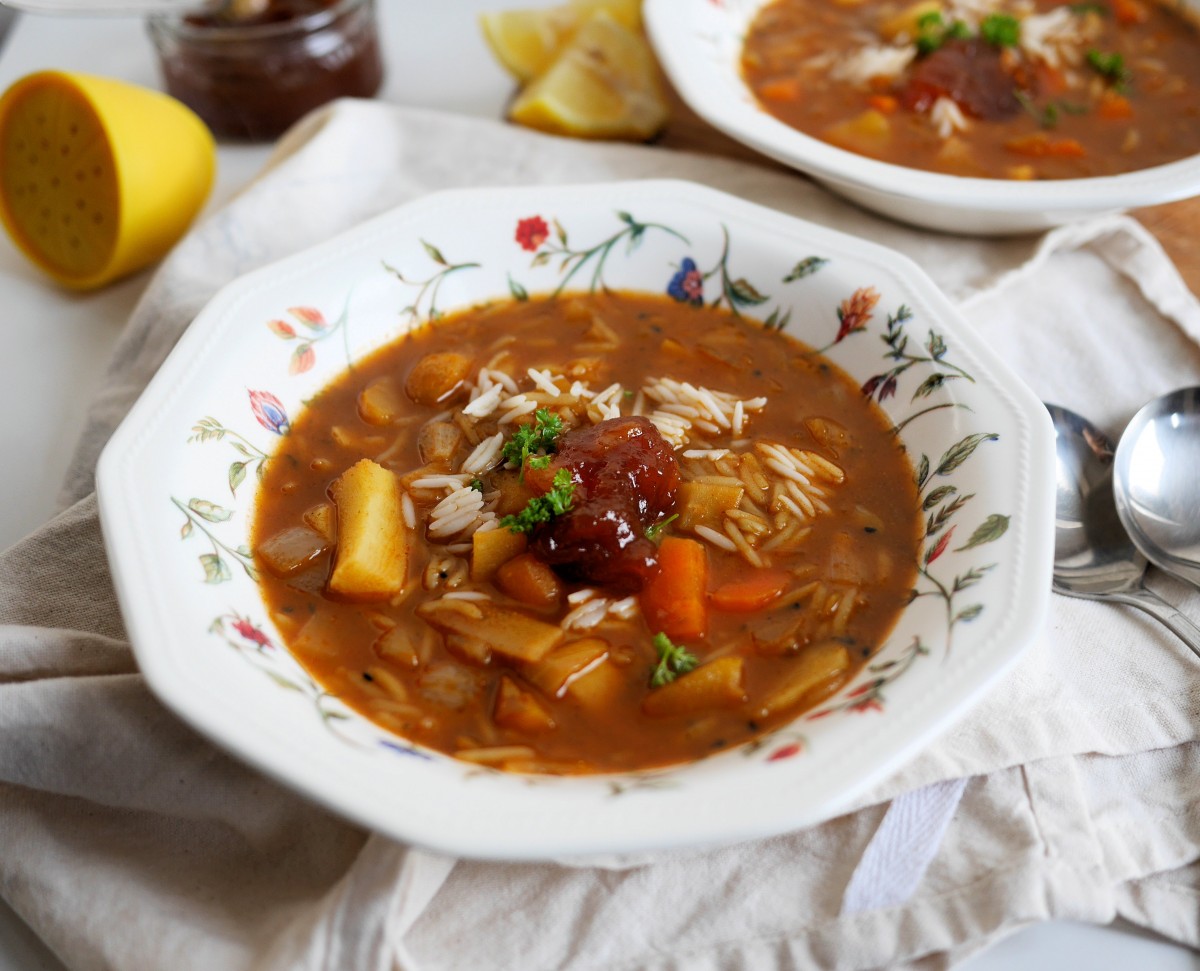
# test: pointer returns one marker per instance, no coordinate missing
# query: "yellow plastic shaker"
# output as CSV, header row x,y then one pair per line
x,y
98,178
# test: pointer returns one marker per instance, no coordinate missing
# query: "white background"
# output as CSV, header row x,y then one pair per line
x,y
55,345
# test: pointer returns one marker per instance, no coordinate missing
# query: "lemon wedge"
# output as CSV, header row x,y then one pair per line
x,y
526,42
603,84
98,178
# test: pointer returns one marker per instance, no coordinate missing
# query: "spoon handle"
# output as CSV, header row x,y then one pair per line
x,y
1168,614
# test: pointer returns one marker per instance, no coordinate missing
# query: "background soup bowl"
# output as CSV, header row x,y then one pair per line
x,y
176,487
699,43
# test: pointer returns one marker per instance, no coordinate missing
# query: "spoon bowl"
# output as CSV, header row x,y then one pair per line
x,y
1094,558
1155,483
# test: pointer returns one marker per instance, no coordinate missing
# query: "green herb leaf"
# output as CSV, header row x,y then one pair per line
x,y
529,440
541,509
477,485
673,661
1001,30
1111,67
653,532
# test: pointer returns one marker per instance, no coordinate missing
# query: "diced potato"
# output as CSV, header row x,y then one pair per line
x,y
469,648
380,402
372,552
396,645
520,710
321,518
717,684
438,441
436,377
527,579
705,504
514,493
596,688
869,132
907,21
815,673
491,549
508,632
555,672
845,565
291,550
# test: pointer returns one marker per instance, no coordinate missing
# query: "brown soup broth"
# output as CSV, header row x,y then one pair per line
x,y
845,575
1116,88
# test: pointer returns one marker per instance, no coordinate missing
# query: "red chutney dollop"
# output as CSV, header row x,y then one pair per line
x,y
626,480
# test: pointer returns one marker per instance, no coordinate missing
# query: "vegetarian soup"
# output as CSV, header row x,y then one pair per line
x,y
587,534
1012,89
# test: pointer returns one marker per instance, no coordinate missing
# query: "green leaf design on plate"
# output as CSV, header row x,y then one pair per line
x,y
963,450
237,475
806,267
215,570
938,494
210,511
435,254
989,530
518,291
742,292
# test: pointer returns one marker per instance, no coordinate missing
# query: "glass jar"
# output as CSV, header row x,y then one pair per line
x,y
251,79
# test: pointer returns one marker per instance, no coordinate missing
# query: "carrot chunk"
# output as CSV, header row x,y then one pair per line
x,y
529,580
884,102
1114,106
785,89
751,593
674,598
1128,12
1041,145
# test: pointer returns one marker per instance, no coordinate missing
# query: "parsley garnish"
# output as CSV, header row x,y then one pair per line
x,y
1111,67
652,532
528,440
477,485
541,509
672,661
933,32
1047,115
1001,30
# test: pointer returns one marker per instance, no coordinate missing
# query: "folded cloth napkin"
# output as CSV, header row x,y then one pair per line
x,y
1073,790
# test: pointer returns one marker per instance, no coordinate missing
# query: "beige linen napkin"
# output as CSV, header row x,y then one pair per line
x,y
129,842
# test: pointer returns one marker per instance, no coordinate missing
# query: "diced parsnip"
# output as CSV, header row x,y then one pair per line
x,y
506,631
515,493
436,377
844,564
372,552
438,441
321,518
674,599
291,550
527,579
717,684
565,664
396,645
491,549
869,131
380,402
596,688
323,634
520,710
814,674
705,504
348,438
450,685
907,21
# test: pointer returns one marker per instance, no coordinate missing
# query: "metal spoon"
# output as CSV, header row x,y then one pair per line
x,y
1093,555
1155,482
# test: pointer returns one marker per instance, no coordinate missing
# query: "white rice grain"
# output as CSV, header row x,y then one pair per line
x,y
485,456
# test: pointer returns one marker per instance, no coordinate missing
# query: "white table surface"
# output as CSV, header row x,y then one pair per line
x,y
56,344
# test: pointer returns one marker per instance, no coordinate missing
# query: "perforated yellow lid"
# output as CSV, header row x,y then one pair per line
x,y
98,178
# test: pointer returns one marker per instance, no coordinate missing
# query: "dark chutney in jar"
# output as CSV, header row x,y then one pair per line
x,y
252,78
